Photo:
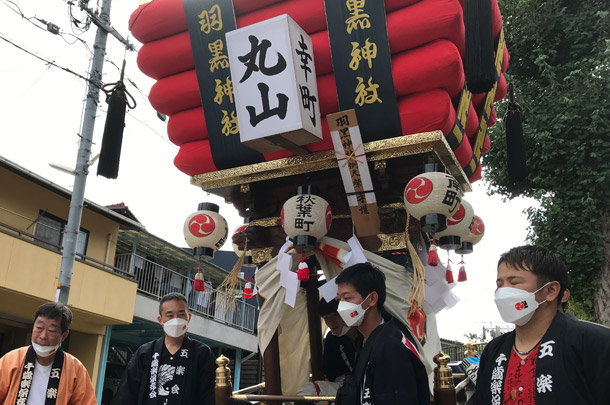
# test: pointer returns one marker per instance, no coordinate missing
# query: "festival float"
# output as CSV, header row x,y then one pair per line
x,y
343,131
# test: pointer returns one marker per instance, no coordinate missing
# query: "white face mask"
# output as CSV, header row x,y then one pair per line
x,y
352,314
342,332
45,351
517,306
175,327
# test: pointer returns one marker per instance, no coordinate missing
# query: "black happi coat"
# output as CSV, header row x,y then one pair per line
x,y
339,355
394,373
198,387
573,365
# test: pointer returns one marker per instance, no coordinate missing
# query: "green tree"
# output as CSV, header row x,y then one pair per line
x,y
560,66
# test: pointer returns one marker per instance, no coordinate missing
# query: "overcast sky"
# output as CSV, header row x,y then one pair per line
x,y
41,109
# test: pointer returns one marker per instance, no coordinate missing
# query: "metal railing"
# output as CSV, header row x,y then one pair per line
x,y
156,280
31,238
456,352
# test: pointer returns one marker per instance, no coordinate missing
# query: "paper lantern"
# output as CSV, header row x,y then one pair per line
x,y
306,217
474,237
432,197
458,227
248,256
205,230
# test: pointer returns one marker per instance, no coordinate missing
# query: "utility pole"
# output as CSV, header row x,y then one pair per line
x,y
84,150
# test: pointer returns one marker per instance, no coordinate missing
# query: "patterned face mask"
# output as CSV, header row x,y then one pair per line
x,y
352,314
515,305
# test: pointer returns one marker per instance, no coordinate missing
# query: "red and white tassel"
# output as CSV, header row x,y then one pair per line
x,y
199,283
248,289
462,272
432,255
303,271
449,274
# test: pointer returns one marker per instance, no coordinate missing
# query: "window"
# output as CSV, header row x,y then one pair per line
x,y
50,232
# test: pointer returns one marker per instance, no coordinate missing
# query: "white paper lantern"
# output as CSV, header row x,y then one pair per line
x,y
476,234
205,230
458,227
432,197
306,217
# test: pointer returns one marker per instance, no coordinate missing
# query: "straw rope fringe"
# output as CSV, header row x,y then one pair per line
x,y
419,271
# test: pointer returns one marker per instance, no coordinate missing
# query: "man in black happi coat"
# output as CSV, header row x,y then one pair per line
x,y
173,369
549,358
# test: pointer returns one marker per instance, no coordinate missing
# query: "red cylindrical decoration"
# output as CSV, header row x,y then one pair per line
x,y
462,273
449,275
248,289
303,271
432,255
199,283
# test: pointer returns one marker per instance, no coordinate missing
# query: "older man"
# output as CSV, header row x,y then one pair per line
x,y
173,369
42,373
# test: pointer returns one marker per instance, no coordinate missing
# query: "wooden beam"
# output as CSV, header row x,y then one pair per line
x,y
271,358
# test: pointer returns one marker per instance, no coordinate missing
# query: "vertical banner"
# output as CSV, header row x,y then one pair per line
x,y
208,21
362,65
355,173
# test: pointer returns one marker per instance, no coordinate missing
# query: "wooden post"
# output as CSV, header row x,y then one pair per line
x,y
223,389
315,328
271,358
444,390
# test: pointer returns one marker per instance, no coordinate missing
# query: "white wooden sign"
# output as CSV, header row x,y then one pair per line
x,y
274,85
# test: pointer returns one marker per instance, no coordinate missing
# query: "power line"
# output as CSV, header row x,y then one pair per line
x,y
48,61
152,129
47,26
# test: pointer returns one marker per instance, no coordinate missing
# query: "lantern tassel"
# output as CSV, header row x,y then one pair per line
x,y
449,274
462,272
199,283
303,271
432,254
248,288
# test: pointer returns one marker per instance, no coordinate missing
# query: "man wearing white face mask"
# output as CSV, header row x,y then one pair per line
x,y
173,369
388,370
339,352
549,358
42,373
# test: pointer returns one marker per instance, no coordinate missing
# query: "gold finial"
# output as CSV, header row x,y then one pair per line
x,y
471,349
223,373
443,378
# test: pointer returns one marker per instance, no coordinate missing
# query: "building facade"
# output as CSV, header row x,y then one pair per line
x,y
119,275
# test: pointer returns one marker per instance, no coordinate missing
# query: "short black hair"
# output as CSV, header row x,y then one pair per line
x,y
326,308
541,262
57,311
365,278
170,297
